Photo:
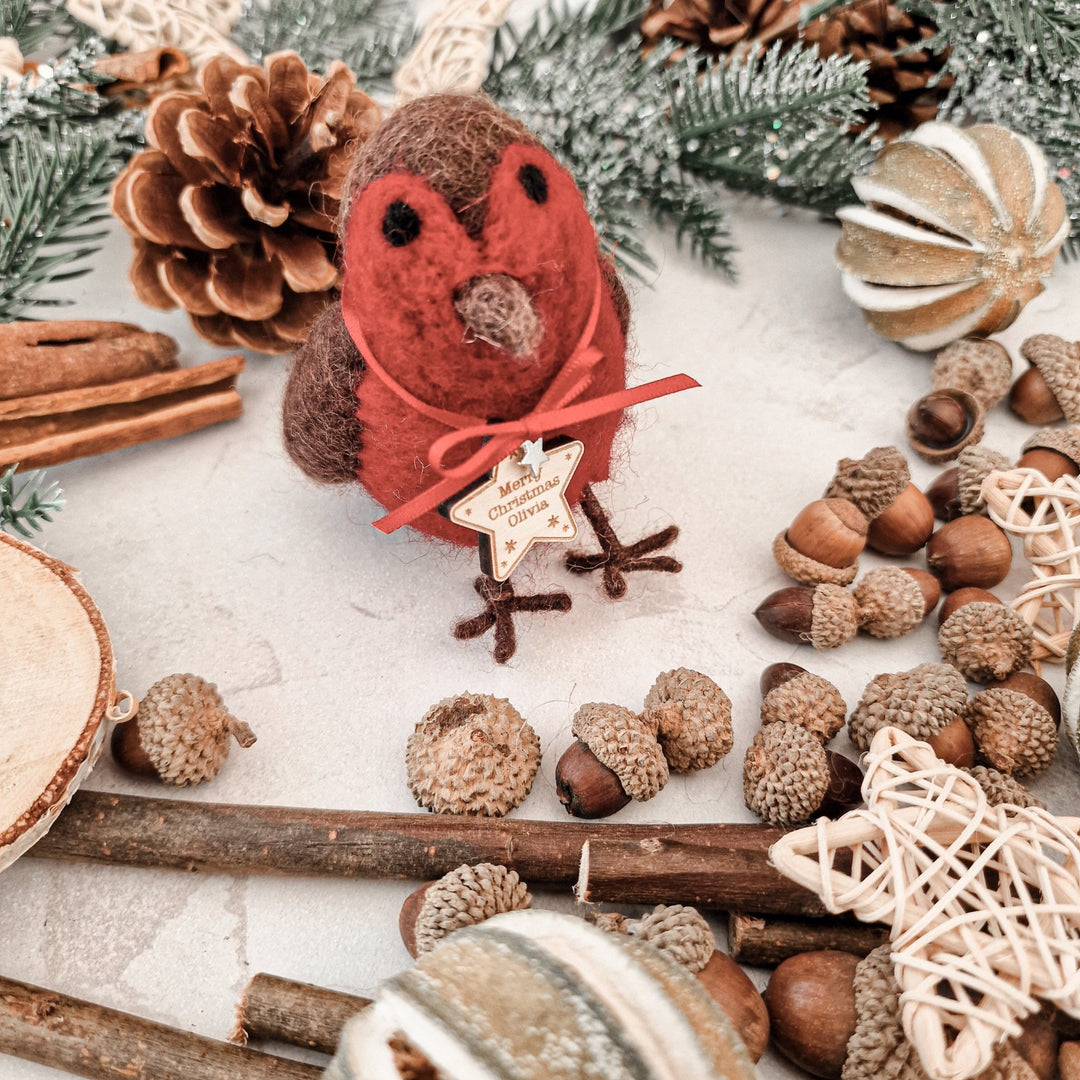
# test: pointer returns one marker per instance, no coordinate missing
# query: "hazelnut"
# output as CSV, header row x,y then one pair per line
x,y
944,495
811,1003
1032,400
943,422
844,792
585,787
968,595
1069,1061
776,675
1051,463
954,744
733,991
969,551
823,543
903,526
930,586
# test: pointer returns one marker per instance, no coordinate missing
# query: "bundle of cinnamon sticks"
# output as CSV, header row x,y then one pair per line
x,y
70,389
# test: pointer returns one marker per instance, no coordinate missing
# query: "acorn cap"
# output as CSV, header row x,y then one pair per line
x,y
809,571
1058,362
980,367
472,754
872,483
185,729
808,700
1001,789
973,466
680,932
785,774
467,896
692,719
985,641
890,602
834,617
920,702
1012,731
626,744
1065,441
878,1047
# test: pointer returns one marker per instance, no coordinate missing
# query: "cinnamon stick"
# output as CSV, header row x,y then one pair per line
x,y
767,941
89,1040
280,1010
41,357
728,864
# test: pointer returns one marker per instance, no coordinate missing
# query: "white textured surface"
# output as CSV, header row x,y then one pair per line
x,y
211,553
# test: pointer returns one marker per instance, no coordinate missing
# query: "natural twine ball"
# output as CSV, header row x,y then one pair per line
x,y
920,702
985,641
472,754
467,896
185,729
890,602
692,718
874,482
1013,732
808,700
626,744
785,774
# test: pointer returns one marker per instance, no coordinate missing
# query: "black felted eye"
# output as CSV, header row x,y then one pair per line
x,y
532,180
401,224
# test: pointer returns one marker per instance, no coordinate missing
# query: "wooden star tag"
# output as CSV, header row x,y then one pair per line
x,y
983,901
514,509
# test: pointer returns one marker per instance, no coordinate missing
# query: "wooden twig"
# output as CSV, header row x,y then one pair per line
x,y
89,1040
766,942
721,866
280,1010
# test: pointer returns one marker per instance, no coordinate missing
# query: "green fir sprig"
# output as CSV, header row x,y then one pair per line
x,y
27,501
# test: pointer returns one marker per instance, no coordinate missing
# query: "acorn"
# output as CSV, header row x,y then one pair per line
x,y
610,740
941,423
928,584
1069,1061
967,595
691,716
944,495
844,792
733,991
802,698
824,616
776,675
954,744
1013,731
982,638
1032,400
904,526
785,774
1053,452
891,600
1050,389
969,551
823,543
1037,689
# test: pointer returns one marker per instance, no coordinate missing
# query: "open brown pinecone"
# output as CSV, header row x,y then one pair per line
x,y
903,77
233,206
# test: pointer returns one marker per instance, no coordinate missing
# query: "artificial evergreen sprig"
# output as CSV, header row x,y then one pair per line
x,y
27,503
30,22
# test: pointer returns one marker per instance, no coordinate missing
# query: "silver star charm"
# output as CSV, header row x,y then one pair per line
x,y
533,456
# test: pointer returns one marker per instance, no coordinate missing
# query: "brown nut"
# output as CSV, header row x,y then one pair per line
x,y
954,744
1050,463
410,909
776,675
944,495
128,752
943,422
1037,1044
968,595
969,551
1069,1061
830,531
931,587
733,991
825,616
903,526
844,792
811,1003
1032,399
587,788
788,613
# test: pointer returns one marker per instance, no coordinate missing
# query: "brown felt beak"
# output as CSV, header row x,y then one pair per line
x,y
496,308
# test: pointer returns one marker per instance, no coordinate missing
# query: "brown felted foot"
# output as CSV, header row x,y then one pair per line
x,y
615,559
500,606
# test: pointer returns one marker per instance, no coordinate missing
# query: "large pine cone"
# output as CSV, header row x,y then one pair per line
x,y
233,208
717,25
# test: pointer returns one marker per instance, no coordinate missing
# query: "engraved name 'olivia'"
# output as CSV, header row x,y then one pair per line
x,y
517,506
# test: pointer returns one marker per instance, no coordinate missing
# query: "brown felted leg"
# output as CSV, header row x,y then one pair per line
x,y
616,559
500,606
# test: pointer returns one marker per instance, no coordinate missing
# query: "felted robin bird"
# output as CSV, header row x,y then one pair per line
x,y
477,313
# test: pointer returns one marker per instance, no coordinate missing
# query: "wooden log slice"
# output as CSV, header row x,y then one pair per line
x,y
57,684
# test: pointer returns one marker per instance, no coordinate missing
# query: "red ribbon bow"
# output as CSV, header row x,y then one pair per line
x,y
557,409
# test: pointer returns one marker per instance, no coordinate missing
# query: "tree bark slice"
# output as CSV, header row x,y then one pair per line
x,y
103,1044
721,866
280,1010
766,942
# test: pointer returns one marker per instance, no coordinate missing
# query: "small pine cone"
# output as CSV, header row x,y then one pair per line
x,y
472,754
890,602
973,466
1058,362
467,896
985,641
233,207
692,718
185,729
977,366
1013,732
1065,441
680,932
1000,789
808,700
920,702
873,483
785,774
626,744
835,618
611,922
